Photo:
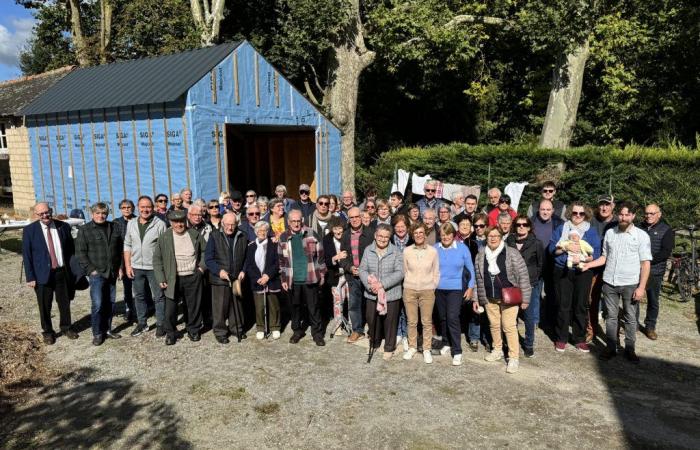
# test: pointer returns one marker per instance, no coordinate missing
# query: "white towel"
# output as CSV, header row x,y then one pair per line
x,y
417,183
515,191
402,182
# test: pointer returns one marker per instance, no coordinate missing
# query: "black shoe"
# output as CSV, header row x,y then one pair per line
x,y
607,354
319,341
244,336
97,341
139,330
529,352
296,337
49,338
474,346
160,332
631,356
70,334
488,347
112,335
222,340
170,340
194,337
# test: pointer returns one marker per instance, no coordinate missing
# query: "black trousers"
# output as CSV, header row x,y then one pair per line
x,y
572,290
449,306
385,326
226,307
189,289
306,309
57,285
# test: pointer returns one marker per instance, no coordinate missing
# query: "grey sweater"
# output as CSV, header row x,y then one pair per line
x,y
516,273
142,252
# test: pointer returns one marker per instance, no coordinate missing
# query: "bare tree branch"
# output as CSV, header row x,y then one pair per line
x,y
310,94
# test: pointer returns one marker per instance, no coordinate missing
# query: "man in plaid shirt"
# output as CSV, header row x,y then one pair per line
x,y
303,270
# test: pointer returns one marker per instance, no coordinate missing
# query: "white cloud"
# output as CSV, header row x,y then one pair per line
x,y
13,39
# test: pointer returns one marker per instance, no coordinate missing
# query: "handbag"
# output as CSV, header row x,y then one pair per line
x,y
511,296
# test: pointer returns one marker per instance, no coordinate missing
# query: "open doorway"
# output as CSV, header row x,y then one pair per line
x,y
261,157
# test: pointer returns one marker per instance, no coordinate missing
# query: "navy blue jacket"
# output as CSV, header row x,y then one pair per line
x,y
272,267
35,252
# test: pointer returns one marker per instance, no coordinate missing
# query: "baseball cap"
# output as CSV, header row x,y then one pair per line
x,y
605,199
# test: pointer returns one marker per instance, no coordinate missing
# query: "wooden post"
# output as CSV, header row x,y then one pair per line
x,y
121,154
237,97
150,147
94,157
187,153
167,148
48,148
72,162
136,151
107,156
41,164
82,156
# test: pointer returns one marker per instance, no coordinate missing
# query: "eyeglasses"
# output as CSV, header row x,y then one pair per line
x,y
252,214
353,217
548,191
370,207
43,213
504,201
304,192
161,200
429,190
249,195
213,206
522,225
126,207
195,215
294,221
479,226
650,213
578,213
323,203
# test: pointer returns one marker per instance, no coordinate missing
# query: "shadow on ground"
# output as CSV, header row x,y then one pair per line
x,y
657,402
74,412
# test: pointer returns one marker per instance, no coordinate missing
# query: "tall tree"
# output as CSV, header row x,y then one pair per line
x,y
207,16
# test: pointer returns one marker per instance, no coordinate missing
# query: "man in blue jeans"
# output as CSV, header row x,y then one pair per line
x,y
98,248
354,241
139,244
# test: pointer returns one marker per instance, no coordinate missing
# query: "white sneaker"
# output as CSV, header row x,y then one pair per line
x,y
427,357
495,355
260,335
457,360
275,335
409,354
513,365
405,344
445,350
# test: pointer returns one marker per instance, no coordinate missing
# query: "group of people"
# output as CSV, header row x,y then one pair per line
x,y
413,275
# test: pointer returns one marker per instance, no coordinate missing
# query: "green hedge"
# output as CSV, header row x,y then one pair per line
x,y
668,177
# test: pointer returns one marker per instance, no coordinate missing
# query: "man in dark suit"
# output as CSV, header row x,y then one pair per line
x,y
99,250
47,247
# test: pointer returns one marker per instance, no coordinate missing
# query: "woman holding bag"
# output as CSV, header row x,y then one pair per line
x,y
501,274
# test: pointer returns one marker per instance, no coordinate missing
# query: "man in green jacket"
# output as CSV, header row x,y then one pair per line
x,y
178,265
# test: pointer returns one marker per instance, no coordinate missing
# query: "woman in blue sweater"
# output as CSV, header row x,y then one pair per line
x,y
456,283
571,285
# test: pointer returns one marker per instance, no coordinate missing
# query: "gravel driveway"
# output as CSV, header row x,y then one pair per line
x,y
138,393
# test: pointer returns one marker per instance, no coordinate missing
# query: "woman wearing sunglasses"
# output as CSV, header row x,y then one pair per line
x,y
480,223
572,286
532,252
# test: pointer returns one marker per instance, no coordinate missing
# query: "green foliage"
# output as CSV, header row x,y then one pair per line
x,y
50,47
641,174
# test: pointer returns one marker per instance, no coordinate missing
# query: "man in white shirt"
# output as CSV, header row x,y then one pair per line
x,y
627,258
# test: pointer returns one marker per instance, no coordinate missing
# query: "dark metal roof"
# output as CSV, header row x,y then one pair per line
x,y
16,94
137,82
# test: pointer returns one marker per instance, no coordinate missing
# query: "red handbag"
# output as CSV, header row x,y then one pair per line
x,y
511,296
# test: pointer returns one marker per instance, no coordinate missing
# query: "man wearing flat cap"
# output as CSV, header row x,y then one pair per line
x,y
305,205
178,263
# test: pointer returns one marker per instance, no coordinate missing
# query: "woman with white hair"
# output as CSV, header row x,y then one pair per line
x,y
262,270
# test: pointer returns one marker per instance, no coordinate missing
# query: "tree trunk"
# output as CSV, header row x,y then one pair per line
x,y
77,33
208,22
351,58
105,28
564,99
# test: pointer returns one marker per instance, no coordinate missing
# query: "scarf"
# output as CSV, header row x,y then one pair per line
x,y
492,256
316,218
381,294
260,253
569,226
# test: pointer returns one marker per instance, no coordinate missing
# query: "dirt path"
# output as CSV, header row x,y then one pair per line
x,y
138,393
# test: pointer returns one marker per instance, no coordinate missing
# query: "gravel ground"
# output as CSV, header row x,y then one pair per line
x,y
138,393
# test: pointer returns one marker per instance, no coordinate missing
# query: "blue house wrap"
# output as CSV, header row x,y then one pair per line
x,y
213,119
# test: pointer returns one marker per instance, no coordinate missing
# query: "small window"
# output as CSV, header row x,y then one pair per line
x,y
3,136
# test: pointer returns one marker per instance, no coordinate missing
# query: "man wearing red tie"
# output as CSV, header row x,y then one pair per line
x,y
47,247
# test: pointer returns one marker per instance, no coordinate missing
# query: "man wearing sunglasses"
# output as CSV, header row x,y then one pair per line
x,y
252,216
429,201
47,247
305,205
549,190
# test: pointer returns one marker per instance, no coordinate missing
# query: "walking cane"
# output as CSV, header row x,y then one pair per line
x,y
374,337
267,324
235,309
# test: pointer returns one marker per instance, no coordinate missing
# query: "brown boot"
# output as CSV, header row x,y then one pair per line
x,y
651,334
354,337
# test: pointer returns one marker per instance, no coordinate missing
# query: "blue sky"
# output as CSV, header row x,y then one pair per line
x,y
16,25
